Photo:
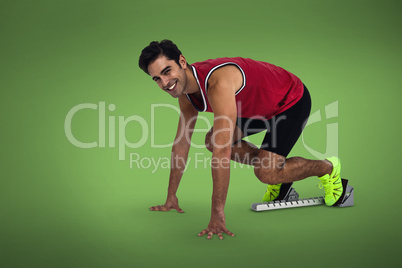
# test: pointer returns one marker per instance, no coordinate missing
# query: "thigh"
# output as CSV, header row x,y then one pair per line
x,y
286,128
251,126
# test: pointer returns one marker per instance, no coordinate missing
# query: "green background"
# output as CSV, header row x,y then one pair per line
x,y
63,206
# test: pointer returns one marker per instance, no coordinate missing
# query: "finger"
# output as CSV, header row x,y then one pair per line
x,y
220,236
210,234
180,210
228,232
158,208
164,208
203,232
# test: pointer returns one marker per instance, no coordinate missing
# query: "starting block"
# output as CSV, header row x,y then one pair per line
x,y
291,200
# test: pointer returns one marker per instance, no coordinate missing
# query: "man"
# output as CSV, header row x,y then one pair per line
x,y
246,97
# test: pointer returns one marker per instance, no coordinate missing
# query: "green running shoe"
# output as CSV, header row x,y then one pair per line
x,y
332,183
272,192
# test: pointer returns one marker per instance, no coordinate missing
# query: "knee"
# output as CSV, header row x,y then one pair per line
x,y
264,176
268,177
208,141
268,171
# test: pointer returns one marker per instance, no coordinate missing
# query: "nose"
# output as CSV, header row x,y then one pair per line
x,y
165,82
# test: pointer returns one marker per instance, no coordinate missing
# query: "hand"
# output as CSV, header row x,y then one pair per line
x,y
171,203
216,226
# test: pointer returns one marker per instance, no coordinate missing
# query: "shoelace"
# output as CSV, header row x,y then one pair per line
x,y
327,189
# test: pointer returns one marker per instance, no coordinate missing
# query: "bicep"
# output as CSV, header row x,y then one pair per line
x,y
223,102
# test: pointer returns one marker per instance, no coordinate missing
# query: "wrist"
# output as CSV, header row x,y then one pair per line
x,y
217,212
218,216
171,195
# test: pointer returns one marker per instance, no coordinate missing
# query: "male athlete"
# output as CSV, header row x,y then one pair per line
x,y
246,97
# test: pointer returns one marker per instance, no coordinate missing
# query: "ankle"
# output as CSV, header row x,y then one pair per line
x,y
327,168
330,167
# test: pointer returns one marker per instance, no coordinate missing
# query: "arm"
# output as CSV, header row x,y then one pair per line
x,y
221,95
180,149
181,146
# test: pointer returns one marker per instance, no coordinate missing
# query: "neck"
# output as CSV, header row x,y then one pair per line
x,y
192,85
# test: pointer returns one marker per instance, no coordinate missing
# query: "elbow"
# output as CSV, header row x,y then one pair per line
x,y
222,151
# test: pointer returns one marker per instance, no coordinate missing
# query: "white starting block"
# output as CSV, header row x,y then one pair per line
x,y
291,200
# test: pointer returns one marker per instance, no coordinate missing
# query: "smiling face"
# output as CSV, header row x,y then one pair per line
x,y
169,76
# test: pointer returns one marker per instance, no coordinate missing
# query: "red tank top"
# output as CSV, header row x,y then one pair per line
x,y
267,89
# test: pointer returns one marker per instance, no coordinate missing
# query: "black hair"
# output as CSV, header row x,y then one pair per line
x,y
155,49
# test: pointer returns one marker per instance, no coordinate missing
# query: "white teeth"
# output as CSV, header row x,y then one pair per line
x,y
172,86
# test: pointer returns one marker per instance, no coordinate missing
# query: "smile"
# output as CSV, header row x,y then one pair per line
x,y
172,87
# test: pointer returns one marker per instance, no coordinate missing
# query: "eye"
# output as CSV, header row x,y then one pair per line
x,y
167,71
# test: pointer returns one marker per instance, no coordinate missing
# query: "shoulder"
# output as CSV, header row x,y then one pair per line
x,y
211,64
228,75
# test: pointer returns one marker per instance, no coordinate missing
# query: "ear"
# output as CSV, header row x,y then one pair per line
x,y
183,62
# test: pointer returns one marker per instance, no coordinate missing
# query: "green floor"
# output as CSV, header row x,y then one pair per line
x,y
64,206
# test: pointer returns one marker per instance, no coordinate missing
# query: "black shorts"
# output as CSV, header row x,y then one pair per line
x,y
283,130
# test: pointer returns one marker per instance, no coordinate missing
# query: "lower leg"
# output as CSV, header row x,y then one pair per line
x,y
298,168
272,169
